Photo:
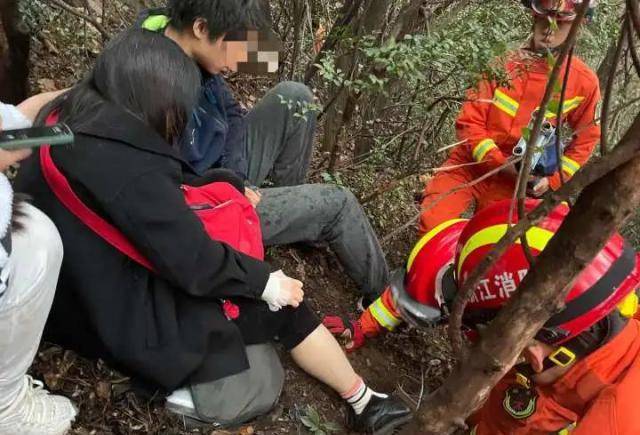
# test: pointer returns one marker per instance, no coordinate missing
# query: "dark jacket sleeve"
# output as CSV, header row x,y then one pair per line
x,y
234,155
152,213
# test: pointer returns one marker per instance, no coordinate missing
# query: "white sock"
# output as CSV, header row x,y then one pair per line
x,y
360,395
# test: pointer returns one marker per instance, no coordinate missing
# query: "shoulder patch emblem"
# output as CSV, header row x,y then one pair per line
x,y
520,402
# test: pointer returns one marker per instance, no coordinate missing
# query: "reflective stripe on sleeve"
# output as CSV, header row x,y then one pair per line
x,y
383,316
481,150
505,103
567,107
567,430
570,166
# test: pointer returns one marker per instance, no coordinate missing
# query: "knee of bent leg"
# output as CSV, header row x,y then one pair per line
x,y
41,234
340,198
294,91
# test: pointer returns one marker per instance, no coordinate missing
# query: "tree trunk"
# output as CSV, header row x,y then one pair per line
x,y
348,13
14,65
605,66
371,21
298,13
413,18
601,208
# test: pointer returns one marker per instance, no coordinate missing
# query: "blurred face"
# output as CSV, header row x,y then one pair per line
x,y
251,52
534,355
244,51
549,33
235,53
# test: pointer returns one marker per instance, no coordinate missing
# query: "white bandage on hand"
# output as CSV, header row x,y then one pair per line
x,y
274,294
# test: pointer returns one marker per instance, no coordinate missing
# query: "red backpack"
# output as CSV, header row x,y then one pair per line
x,y
226,214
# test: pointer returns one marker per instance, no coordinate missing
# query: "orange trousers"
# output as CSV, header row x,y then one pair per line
x,y
449,194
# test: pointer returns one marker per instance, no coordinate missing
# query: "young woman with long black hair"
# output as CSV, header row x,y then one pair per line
x,y
167,326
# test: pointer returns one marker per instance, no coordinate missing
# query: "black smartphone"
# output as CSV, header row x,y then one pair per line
x,y
59,134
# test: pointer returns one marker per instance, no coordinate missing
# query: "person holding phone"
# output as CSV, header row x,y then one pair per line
x,y
30,260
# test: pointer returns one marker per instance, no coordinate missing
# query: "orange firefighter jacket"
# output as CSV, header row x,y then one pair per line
x,y
599,395
492,120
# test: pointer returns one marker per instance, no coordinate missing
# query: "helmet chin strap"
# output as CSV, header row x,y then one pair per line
x,y
576,348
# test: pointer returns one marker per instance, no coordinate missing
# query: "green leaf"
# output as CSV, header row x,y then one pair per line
x,y
551,59
526,133
331,426
314,415
327,177
308,423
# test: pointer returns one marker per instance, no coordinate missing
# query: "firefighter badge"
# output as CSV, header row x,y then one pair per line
x,y
520,402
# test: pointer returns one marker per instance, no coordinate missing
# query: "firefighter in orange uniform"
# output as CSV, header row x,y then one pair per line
x,y
581,373
492,123
493,119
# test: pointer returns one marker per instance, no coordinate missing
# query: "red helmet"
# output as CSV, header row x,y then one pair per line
x,y
608,281
560,10
418,291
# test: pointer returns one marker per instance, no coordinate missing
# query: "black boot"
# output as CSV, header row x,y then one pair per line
x,y
380,417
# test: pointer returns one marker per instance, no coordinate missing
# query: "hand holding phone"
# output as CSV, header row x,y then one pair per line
x,y
8,158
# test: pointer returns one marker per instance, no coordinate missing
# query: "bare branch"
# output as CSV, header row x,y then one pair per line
x,y
606,103
444,196
631,41
633,8
94,22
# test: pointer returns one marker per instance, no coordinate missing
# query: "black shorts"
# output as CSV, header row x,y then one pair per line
x,y
258,324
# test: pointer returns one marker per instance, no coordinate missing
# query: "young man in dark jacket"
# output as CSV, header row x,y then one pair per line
x,y
272,142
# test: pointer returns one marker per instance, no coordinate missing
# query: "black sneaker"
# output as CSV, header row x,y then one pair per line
x,y
381,416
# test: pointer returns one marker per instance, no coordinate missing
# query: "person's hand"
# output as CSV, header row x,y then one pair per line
x,y
8,158
282,291
537,187
347,331
253,196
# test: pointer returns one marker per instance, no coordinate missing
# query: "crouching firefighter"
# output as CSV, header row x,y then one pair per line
x,y
581,373
496,120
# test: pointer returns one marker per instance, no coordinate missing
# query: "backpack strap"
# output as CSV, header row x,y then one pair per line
x,y
60,186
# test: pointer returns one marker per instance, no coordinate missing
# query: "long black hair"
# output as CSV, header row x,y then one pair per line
x,y
143,73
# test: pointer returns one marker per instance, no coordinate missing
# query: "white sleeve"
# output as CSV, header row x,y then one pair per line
x,y
12,118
